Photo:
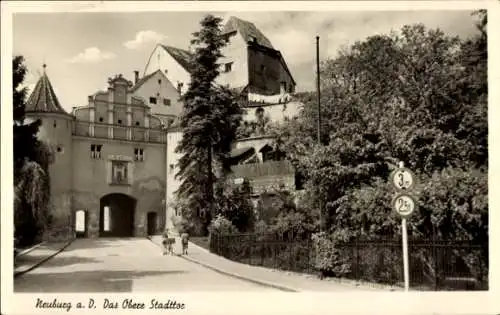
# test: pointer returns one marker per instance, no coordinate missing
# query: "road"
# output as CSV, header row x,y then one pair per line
x,y
123,265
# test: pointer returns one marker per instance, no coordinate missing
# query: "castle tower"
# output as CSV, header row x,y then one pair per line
x,y
56,132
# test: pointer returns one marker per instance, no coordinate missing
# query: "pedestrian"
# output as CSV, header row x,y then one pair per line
x,y
170,245
165,241
184,241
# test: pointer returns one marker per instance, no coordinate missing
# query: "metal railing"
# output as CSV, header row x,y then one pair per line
x,y
434,264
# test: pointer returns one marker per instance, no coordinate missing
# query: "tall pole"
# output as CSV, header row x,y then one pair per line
x,y
404,233
319,128
319,90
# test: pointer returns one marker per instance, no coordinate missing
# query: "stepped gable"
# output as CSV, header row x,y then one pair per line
x,y
43,98
247,30
183,57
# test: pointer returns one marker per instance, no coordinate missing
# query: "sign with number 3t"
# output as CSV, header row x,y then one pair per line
x,y
403,179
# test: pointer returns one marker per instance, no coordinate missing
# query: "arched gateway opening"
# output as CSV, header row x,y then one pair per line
x,y
117,216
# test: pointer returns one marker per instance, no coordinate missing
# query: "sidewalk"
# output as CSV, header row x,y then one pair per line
x,y
285,281
32,258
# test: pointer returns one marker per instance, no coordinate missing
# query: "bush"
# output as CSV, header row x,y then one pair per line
x,y
261,227
234,203
221,225
327,258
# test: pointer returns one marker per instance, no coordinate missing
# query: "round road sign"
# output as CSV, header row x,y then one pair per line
x,y
403,179
404,204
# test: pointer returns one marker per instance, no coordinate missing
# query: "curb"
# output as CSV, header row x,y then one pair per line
x,y
38,263
342,281
24,252
234,275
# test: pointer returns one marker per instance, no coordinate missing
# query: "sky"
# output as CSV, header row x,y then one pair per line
x,y
82,50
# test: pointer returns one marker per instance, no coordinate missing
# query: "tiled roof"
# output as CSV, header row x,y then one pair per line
x,y
238,152
247,30
183,57
43,98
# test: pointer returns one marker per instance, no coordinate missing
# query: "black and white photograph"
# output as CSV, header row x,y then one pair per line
x,y
245,151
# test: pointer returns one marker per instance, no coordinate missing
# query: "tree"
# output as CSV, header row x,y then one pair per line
x,y
32,158
209,122
418,96
24,133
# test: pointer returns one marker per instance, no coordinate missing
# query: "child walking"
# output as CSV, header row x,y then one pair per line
x,y
165,241
168,243
184,241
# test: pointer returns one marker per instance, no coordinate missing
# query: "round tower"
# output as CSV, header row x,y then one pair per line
x,y
56,132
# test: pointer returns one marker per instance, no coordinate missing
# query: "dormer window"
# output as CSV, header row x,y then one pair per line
x,y
228,67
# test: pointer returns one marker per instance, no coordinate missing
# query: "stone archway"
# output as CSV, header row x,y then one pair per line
x,y
117,215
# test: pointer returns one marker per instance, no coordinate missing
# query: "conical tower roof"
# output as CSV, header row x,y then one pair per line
x,y
43,98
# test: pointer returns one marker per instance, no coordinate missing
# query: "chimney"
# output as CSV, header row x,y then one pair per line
x,y
179,87
136,74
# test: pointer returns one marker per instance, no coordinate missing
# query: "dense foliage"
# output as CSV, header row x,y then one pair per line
x,y
234,203
32,158
417,96
209,121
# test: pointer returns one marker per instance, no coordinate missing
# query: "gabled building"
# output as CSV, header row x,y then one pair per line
x,y
250,64
158,92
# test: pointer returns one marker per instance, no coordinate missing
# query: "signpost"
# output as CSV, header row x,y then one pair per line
x,y
404,204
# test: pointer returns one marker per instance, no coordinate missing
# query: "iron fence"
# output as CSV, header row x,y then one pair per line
x,y
434,264
275,251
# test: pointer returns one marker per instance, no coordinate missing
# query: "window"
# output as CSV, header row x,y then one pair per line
x,y
95,151
228,66
120,121
152,100
55,124
159,81
138,154
253,39
166,102
59,149
101,119
137,123
172,166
